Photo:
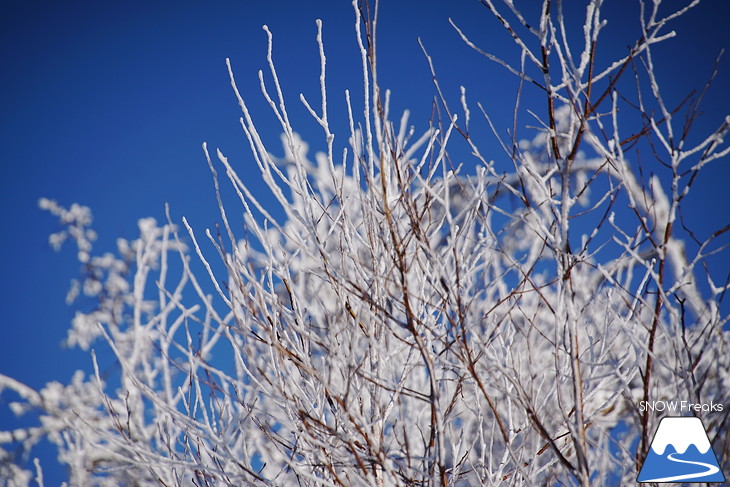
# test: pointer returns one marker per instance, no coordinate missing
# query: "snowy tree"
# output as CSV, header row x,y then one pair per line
x,y
406,319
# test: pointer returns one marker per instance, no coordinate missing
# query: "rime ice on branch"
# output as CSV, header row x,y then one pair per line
x,y
399,320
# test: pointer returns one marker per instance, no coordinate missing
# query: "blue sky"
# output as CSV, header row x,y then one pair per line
x,y
107,104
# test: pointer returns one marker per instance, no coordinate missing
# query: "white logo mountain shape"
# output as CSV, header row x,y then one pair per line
x,y
680,433
680,452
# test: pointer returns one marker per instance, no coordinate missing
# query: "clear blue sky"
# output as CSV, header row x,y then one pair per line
x,y
107,104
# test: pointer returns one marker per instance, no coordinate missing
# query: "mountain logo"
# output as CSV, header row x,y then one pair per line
x,y
680,452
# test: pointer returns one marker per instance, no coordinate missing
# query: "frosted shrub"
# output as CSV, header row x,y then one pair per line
x,y
402,321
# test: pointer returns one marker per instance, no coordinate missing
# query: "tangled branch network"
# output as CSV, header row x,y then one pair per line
x,y
402,320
